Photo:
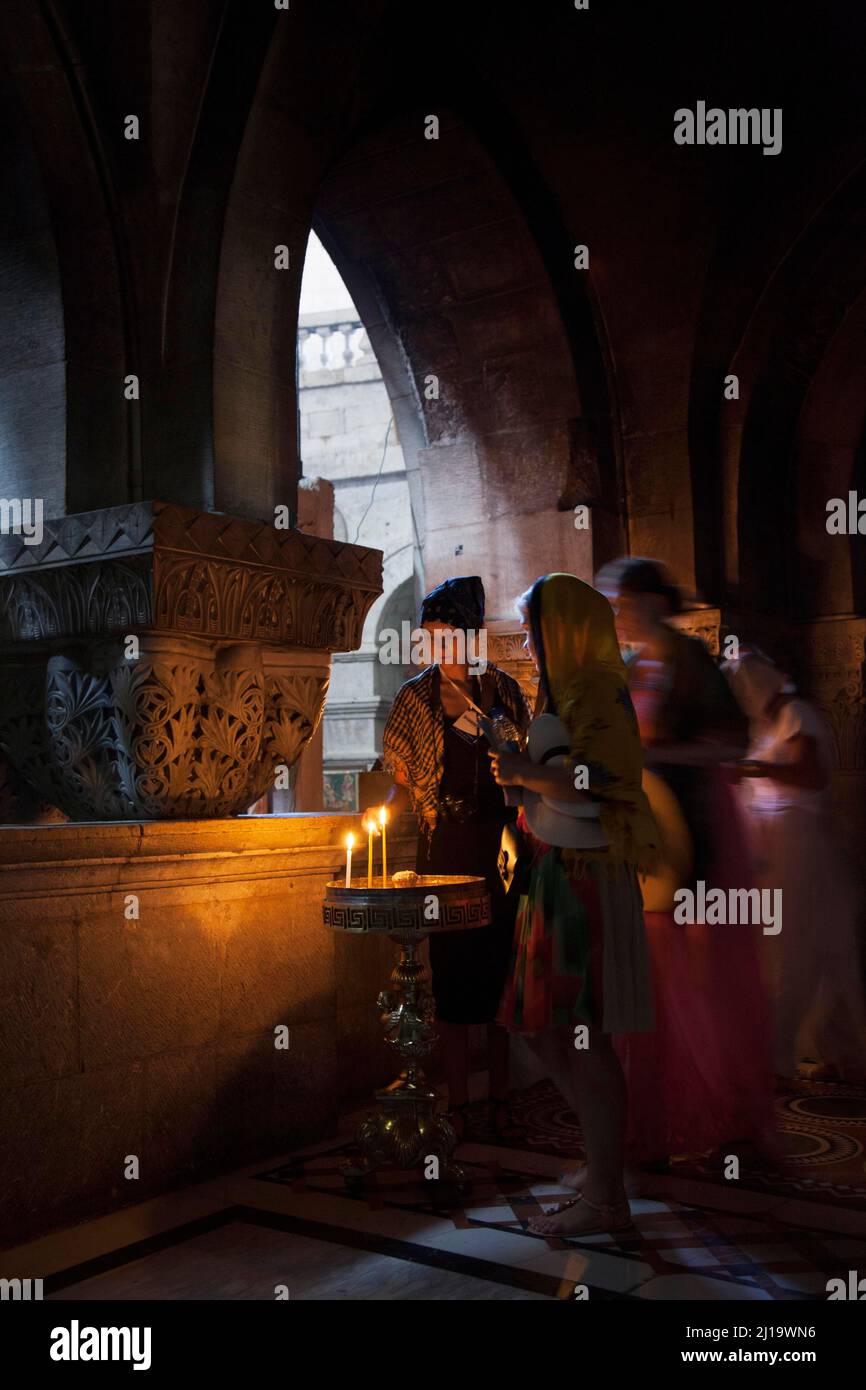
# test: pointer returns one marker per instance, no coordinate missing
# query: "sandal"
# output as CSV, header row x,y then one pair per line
x,y
599,1218
505,1128
575,1180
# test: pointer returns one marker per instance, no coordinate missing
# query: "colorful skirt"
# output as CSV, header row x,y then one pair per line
x,y
579,953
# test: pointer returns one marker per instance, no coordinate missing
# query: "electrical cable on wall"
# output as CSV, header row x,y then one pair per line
x,y
376,483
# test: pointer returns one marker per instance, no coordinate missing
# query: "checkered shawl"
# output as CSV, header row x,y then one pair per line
x,y
413,744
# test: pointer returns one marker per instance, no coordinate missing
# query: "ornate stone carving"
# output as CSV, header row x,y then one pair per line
x,y
506,648
233,623
703,623
172,569
168,735
836,650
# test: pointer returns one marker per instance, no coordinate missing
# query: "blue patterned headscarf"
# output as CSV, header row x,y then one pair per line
x,y
458,602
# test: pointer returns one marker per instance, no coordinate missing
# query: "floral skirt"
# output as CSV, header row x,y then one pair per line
x,y
579,953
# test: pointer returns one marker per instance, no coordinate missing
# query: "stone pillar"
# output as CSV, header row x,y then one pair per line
x,y
316,516
157,661
835,649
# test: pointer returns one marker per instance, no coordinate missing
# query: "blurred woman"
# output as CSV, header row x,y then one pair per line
x,y
706,1078
434,749
813,965
580,971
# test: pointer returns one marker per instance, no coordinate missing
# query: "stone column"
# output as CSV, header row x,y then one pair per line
x,y
159,662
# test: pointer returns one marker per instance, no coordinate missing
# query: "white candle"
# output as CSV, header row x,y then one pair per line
x,y
350,840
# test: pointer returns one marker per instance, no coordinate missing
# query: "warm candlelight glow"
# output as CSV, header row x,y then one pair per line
x,y
350,840
383,816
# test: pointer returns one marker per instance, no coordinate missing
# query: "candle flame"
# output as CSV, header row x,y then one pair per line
x,y
350,840
371,827
383,815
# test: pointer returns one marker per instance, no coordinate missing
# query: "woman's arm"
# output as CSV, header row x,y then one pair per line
x,y
701,753
398,799
803,770
548,779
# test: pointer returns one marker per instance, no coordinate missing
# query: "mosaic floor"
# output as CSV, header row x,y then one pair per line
x,y
770,1236
821,1126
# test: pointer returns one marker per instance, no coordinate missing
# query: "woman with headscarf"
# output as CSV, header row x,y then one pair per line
x,y
813,966
580,971
434,749
706,1077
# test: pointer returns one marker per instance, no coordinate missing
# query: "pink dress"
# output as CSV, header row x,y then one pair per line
x,y
705,1077
812,966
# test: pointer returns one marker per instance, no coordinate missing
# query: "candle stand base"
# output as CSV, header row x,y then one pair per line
x,y
404,1131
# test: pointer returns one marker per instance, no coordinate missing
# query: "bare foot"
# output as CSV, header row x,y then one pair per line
x,y
581,1217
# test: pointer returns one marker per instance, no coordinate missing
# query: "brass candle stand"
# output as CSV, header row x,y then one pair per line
x,y
404,1130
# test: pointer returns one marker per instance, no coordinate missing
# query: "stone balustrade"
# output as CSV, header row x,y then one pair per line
x,y
329,341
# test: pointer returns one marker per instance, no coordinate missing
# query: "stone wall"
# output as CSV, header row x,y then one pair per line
x,y
155,1036
345,415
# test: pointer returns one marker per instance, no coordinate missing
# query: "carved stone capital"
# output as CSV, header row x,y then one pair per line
x,y
232,624
506,648
703,623
835,649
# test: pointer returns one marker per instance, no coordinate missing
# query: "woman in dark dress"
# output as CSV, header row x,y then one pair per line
x,y
436,753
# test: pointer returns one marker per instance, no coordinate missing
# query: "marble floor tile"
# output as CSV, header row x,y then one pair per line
x,y
250,1263
699,1288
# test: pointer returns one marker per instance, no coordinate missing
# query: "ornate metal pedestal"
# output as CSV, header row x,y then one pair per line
x,y
404,1130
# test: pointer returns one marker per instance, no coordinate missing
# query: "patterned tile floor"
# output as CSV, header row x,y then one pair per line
x,y
768,1236
821,1128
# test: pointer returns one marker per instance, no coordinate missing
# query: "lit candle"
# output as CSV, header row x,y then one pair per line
x,y
383,816
370,827
350,840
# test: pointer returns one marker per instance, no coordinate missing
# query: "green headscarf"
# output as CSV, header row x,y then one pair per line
x,y
583,680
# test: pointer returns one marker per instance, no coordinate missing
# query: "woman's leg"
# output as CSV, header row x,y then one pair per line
x,y
600,1101
592,1080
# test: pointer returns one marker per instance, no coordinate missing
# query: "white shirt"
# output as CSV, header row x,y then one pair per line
x,y
773,744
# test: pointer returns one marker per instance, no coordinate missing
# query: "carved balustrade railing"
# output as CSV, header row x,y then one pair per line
x,y
328,341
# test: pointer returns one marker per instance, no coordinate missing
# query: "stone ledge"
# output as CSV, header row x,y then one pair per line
x,y
94,858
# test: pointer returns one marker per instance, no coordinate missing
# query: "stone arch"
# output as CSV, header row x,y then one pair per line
x,y
287,133
206,436
467,326
798,278
829,572
399,607
32,361
528,423
823,279
96,464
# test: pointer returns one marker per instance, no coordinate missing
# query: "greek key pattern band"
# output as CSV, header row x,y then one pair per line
x,y
454,915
